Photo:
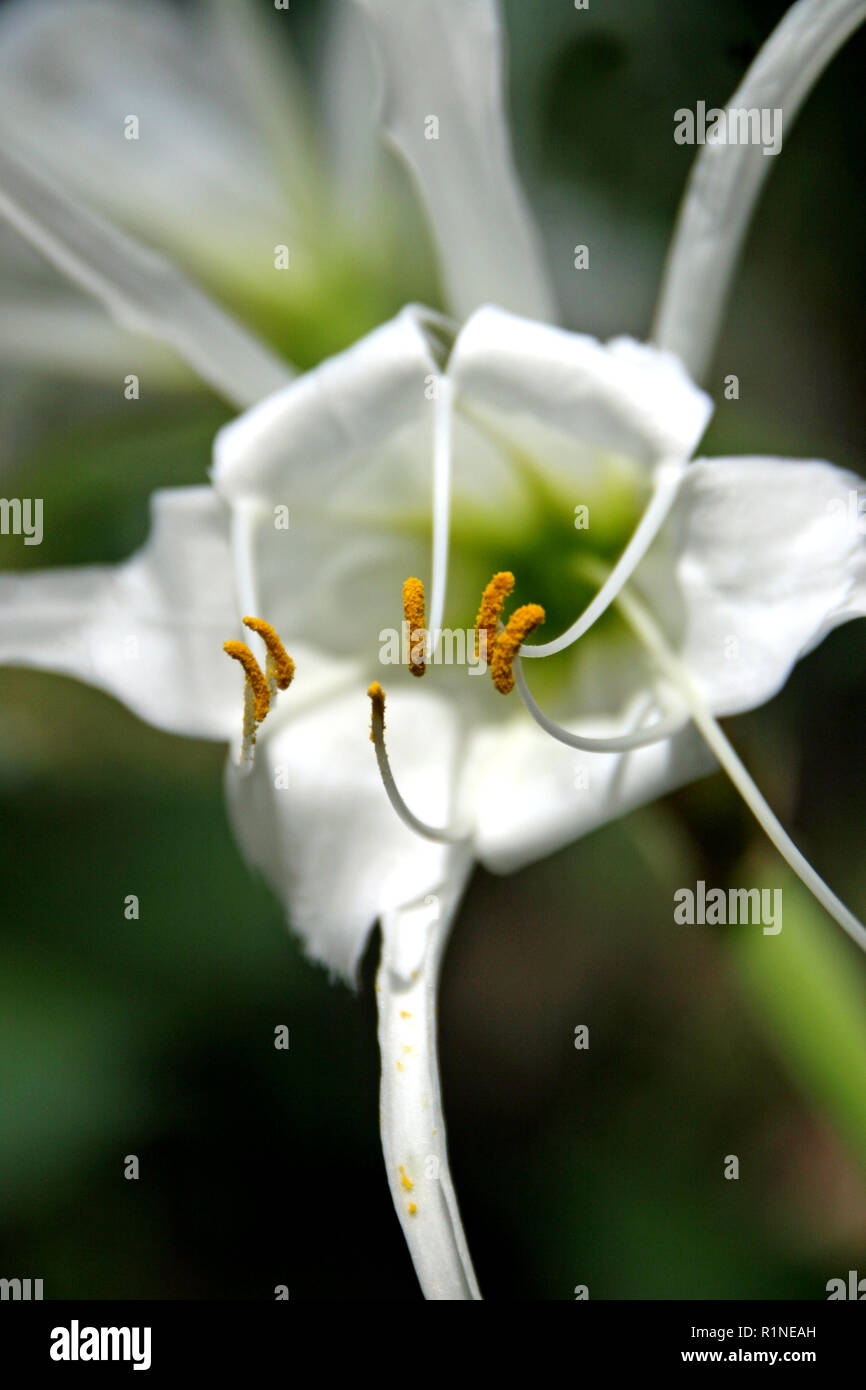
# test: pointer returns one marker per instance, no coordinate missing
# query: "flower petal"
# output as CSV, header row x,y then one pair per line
x,y
137,287
307,438
620,396
198,177
313,816
347,449
149,631
726,180
532,795
444,63
763,556
58,334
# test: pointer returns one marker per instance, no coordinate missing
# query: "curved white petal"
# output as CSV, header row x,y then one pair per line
x,y
445,62
149,631
726,179
313,816
306,440
413,1123
622,396
762,557
346,452
139,288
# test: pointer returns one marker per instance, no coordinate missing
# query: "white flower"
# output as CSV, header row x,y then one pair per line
x,y
482,439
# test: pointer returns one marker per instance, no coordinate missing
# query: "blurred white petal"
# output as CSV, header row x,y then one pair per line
x,y
348,106
140,289
199,174
149,631
57,334
446,62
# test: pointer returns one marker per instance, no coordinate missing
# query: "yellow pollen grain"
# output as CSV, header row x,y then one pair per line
x,y
413,1207
284,667
405,1182
254,674
522,621
405,1014
492,599
415,614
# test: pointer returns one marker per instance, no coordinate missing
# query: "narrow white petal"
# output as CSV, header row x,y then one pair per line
x,y
58,334
347,83
252,56
149,631
139,288
413,1125
444,63
759,559
726,179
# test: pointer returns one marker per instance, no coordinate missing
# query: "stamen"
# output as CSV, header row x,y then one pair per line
x,y
377,737
522,621
666,485
254,677
414,615
492,600
280,669
260,687
663,728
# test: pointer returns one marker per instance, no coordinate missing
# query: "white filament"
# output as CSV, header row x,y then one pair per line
x,y
644,628
623,743
442,431
420,827
666,483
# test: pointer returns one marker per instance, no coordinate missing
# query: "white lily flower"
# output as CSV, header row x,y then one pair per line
x,y
482,440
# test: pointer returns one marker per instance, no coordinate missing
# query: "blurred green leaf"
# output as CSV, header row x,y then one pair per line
x,y
808,988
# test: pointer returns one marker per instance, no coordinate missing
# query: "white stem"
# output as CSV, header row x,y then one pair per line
x,y
665,486
413,1124
643,625
726,179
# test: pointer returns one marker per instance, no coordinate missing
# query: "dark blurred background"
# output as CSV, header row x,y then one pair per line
x,y
601,1167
